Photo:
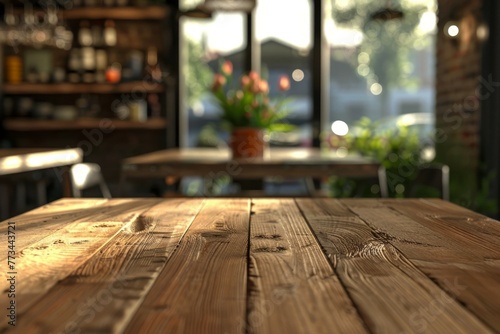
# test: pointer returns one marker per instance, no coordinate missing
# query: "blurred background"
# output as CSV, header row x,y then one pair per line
x,y
399,80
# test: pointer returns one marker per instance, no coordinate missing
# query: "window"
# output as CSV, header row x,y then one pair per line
x,y
285,48
379,69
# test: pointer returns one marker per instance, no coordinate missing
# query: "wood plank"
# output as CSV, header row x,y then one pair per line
x,y
468,272
80,88
292,284
118,13
454,222
202,289
30,125
37,224
392,295
103,293
44,262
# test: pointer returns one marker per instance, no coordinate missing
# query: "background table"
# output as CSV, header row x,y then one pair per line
x,y
286,162
253,265
302,163
20,160
26,160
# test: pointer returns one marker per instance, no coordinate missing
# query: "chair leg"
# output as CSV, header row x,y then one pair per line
x,y
382,181
41,192
309,184
20,197
4,203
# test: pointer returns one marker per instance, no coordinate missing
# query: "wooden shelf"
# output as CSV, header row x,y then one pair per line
x,y
93,88
25,124
117,13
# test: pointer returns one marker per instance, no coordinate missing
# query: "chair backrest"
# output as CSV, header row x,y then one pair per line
x,y
85,176
435,175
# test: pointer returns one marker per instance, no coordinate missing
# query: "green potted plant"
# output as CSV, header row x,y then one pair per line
x,y
248,111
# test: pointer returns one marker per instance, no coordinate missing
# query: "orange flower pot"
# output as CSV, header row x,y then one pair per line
x,y
247,143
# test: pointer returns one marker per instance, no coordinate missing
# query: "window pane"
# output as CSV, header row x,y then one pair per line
x,y
285,44
204,43
381,69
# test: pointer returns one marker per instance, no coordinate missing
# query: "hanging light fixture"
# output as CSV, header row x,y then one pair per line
x,y
205,9
198,12
387,13
230,5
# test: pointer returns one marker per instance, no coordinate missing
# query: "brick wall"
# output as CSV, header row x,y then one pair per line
x,y
459,91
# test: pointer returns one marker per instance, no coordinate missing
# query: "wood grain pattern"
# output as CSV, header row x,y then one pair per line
x,y
268,265
202,289
53,256
36,224
380,279
292,282
453,246
103,293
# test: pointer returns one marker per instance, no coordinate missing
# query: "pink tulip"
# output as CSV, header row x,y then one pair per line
x,y
245,81
219,81
254,76
284,83
263,86
227,67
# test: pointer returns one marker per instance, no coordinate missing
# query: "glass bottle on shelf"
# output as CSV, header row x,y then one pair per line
x,y
84,33
109,32
88,64
153,70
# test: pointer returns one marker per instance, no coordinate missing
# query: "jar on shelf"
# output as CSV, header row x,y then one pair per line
x,y
113,73
13,69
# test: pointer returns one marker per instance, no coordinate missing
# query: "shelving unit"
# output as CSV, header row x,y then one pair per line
x,y
138,28
30,125
118,13
148,16
82,88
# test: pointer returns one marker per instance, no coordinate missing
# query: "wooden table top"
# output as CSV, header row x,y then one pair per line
x,y
251,266
289,162
19,160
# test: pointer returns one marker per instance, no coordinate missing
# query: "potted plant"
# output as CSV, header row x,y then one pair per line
x,y
247,110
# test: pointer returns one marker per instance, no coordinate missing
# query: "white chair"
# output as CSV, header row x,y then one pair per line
x,y
435,175
85,176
